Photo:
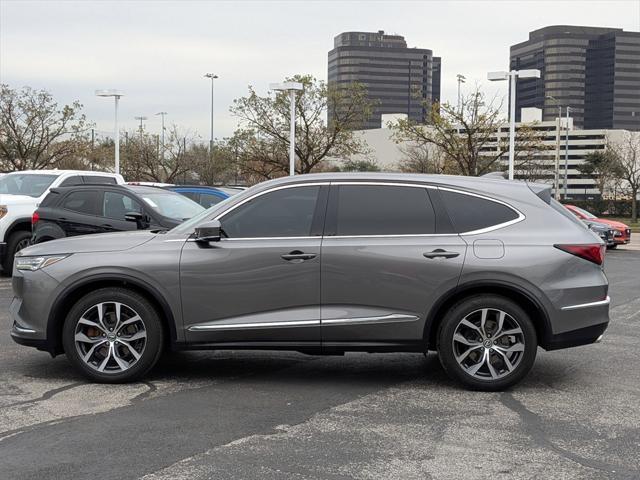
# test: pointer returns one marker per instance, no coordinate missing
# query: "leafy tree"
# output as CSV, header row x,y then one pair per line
x,y
465,136
262,141
36,133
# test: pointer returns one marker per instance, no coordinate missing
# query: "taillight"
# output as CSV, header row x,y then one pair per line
x,y
34,218
593,252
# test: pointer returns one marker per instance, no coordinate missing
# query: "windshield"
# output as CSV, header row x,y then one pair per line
x,y
172,205
32,185
208,214
584,213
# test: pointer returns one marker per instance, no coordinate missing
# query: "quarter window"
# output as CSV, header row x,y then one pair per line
x,y
84,202
281,213
469,213
383,210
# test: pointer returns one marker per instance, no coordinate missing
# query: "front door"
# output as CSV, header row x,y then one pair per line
x,y
387,255
260,284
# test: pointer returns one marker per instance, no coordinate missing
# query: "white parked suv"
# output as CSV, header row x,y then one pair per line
x,y
20,195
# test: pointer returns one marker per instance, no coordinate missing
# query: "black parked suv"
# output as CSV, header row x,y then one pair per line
x,y
87,209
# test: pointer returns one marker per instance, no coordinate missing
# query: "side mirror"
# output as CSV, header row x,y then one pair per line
x,y
136,217
208,232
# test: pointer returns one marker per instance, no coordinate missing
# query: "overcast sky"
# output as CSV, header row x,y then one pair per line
x,y
158,51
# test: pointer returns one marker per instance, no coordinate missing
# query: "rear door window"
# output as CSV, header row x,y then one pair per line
x,y
73,180
381,210
470,213
84,202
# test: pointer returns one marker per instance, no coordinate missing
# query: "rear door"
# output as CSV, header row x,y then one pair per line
x,y
77,213
387,255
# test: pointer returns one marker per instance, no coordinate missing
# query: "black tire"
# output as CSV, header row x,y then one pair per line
x,y
614,246
15,243
152,327
470,306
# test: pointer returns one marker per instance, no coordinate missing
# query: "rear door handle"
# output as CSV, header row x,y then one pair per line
x,y
440,253
298,255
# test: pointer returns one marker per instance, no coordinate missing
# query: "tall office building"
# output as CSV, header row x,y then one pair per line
x,y
399,79
595,71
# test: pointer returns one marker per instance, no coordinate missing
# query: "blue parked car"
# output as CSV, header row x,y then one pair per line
x,y
202,194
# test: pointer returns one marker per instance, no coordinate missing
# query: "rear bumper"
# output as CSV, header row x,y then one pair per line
x,y
575,338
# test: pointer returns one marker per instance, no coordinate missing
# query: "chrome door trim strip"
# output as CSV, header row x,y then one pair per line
x,y
392,318
254,325
599,303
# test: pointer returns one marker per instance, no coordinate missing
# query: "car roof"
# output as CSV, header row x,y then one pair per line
x,y
196,187
480,185
62,172
131,188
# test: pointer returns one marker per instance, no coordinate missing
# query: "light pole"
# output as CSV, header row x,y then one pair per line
x,y
461,79
291,88
556,176
212,76
512,76
162,133
142,119
116,94
566,154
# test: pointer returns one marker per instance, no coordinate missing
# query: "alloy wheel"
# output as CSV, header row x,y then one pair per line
x,y
110,337
488,344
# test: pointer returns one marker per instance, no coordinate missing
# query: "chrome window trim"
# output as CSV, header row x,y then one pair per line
x,y
579,306
254,325
520,218
391,318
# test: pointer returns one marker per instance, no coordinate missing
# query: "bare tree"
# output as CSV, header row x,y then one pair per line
x,y
421,158
466,135
626,155
36,133
263,139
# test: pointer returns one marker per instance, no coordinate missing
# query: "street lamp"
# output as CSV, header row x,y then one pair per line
x,y
292,88
212,76
162,114
461,79
512,76
116,94
556,176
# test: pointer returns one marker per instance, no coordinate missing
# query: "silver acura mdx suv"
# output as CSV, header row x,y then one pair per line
x,y
481,270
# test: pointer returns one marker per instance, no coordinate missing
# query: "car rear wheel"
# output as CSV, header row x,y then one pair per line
x,y
487,342
113,335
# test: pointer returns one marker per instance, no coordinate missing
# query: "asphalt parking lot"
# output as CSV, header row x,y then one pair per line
x,y
276,415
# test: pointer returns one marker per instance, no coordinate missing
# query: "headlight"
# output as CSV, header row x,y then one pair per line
x,y
3,210
35,263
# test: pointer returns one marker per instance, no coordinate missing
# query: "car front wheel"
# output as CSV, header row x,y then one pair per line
x,y
113,335
487,342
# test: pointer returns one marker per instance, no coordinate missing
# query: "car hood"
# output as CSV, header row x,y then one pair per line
x,y
613,223
104,242
8,199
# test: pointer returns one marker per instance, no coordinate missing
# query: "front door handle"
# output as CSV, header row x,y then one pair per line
x,y
298,255
440,253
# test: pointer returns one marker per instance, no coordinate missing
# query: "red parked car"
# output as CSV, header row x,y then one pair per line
x,y
622,232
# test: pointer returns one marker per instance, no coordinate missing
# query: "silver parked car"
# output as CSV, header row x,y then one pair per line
x,y
481,270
